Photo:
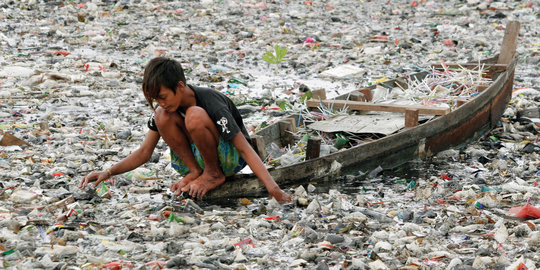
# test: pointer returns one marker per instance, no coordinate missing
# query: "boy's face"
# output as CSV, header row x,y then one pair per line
x,y
168,100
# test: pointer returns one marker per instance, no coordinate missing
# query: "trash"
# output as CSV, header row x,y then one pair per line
x,y
343,72
526,212
9,140
71,103
374,172
103,191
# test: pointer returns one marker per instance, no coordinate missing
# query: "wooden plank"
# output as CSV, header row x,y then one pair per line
x,y
366,106
319,94
293,123
259,146
313,148
411,118
508,47
489,67
285,131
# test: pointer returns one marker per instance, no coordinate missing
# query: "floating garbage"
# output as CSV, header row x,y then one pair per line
x,y
71,103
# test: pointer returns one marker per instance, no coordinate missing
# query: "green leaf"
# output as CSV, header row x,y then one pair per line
x,y
269,60
276,57
280,52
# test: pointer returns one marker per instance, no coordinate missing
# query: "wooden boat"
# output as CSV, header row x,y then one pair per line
x,y
447,129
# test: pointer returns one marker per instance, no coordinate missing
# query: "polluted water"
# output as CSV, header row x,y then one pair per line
x,y
71,103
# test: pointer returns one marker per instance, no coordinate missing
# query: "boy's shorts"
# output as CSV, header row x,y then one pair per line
x,y
230,160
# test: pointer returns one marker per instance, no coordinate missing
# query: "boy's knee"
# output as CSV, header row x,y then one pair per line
x,y
195,117
161,116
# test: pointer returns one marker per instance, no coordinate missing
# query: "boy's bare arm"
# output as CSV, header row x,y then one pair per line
x,y
134,160
258,168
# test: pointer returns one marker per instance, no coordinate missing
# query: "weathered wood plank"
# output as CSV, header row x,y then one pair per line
x,y
313,148
365,106
509,44
259,146
411,118
319,94
286,133
489,67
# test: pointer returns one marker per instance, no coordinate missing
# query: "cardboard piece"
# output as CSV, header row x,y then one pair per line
x,y
9,140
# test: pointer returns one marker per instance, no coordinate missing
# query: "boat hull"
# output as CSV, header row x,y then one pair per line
x,y
453,130
456,129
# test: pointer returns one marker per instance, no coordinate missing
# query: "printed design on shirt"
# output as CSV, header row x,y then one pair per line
x,y
152,123
223,123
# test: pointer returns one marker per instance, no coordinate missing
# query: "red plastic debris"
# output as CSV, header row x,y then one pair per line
x,y
448,42
276,218
379,38
244,242
64,53
117,265
521,266
376,203
445,176
526,212
414,4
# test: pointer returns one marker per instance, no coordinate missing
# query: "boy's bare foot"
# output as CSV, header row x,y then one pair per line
x,y
206,182
177,187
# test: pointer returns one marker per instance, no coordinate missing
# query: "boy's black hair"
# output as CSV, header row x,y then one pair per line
x,y
161,71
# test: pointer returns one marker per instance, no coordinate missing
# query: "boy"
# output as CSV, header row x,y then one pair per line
x,y
203,129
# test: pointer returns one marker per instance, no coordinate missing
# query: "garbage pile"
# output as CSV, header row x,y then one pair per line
x,y
71,102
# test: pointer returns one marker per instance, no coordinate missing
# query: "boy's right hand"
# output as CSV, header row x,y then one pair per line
x,y
280,195
94,176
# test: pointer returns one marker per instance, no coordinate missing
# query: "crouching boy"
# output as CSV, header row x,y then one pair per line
x,y
203,129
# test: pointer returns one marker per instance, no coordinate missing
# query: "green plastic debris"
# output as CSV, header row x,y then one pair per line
x,y
306,96
233,80
411,184
7,252
305,138
341,141
484,188
493,138
102,189
479,205
173,217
